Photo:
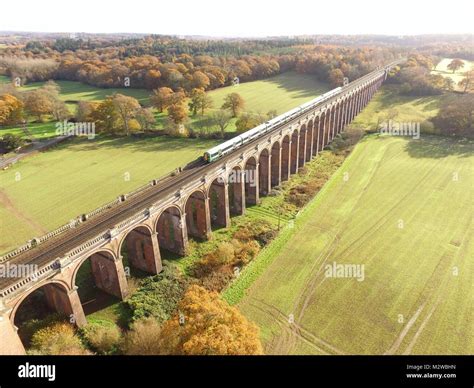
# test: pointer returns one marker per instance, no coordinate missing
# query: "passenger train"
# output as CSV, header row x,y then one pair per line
x,y
238,141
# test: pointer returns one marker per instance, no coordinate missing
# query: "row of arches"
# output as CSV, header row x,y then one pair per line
x,y
141,248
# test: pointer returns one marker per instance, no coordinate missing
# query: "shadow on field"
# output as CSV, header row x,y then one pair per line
x,y
436,147
151,144
301,85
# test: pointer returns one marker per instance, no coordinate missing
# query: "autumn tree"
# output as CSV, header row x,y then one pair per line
x,y
178,113
160,98
456,115
126,108
11,110
200,80
38,103
145,118
336,77
105,116
248,121
455,64
200,101
221,119
234,103
467,83
84,110
207,325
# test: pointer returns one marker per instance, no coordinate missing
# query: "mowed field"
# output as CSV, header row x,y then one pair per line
x,y
44,191
402,208
281,93
407,109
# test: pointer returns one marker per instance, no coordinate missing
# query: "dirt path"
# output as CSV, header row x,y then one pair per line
x,y
8,204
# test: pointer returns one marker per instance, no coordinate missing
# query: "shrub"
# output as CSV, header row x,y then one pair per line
x,y
102,336
218,279
245,251
29,328
57,339
212,261
158,296
143,338
10,142
258,230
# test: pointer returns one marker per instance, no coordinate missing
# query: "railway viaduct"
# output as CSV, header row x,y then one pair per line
x,y
163,214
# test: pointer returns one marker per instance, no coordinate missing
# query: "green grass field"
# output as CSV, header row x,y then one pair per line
x,y
407,108
72,91
400,208
76,177
281,93
442,69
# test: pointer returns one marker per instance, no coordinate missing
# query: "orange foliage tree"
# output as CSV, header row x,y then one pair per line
x,y
207,325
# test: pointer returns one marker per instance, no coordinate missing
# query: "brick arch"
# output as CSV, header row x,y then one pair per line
x,y
251,181
197,214
142,248
264,171
107,272
60,283
85,258
294,151
218,202
309,141
285,157
236,191
315,144
303,132
170,227
275,168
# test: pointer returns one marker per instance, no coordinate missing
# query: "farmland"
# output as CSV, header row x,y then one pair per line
x,y
398,208
45,191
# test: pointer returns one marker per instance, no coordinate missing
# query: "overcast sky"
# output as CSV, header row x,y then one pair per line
x,y
240,17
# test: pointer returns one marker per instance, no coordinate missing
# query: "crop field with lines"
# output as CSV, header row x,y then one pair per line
x,y
402,210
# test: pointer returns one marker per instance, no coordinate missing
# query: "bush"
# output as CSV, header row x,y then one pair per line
x,y
57,339
224,254
143,338
258,230
218,279
102,336
10,142
29,328
245,251
158,296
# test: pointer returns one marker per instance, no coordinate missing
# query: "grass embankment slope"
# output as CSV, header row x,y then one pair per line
x,y
410,301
